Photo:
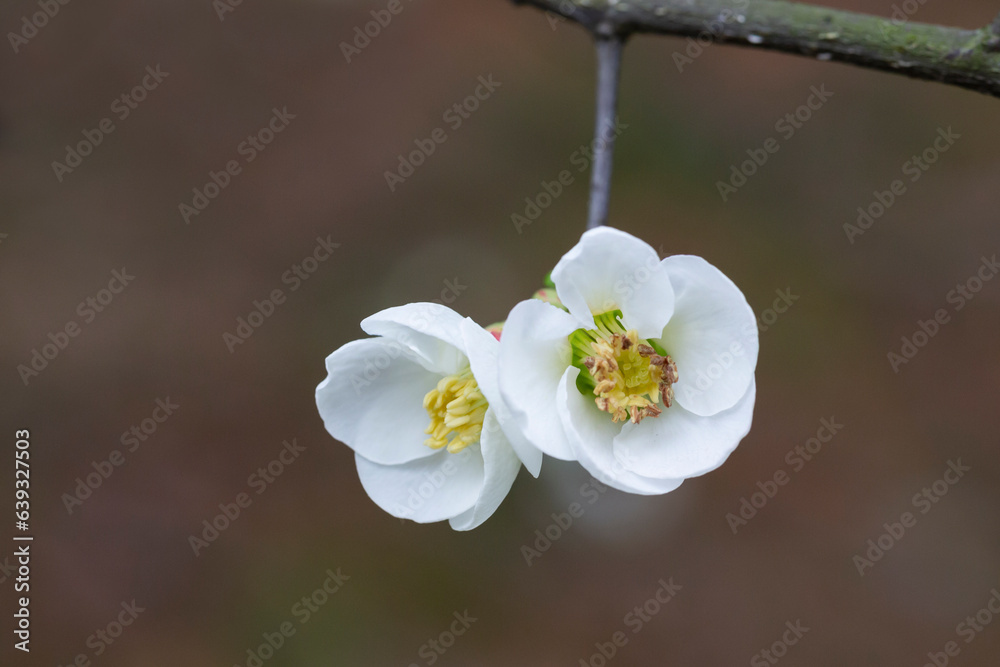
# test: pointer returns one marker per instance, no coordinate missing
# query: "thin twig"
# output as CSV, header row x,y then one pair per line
x,y
609,58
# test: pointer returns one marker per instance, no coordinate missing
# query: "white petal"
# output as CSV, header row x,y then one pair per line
x,y
592,434
372,400
431,330
712,336
534,353
483,351
431,489
611,269
501,468
681,444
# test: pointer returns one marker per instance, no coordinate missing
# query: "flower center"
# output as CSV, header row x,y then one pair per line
x,y
627,374
456,408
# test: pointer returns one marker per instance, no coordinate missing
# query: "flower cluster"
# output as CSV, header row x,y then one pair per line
x,y
640,369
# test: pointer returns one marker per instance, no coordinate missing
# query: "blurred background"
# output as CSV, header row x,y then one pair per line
x,y
445,232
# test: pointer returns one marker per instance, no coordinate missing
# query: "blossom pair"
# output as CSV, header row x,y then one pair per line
x,y
640,369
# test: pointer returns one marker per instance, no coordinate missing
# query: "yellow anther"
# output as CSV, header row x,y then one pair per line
x,y
457,409
630,378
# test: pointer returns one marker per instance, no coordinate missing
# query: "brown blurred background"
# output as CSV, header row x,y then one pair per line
x,y
450,223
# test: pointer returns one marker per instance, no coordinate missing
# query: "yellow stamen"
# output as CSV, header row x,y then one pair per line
x,y
629,377
457,409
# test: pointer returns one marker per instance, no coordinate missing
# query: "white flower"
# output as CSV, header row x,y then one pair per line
x,y
648,379
420,407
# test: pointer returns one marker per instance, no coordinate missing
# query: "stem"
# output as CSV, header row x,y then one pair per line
x,y
966,58
609,59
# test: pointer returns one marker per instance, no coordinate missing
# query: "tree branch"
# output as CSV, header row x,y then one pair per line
x,y
966,58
